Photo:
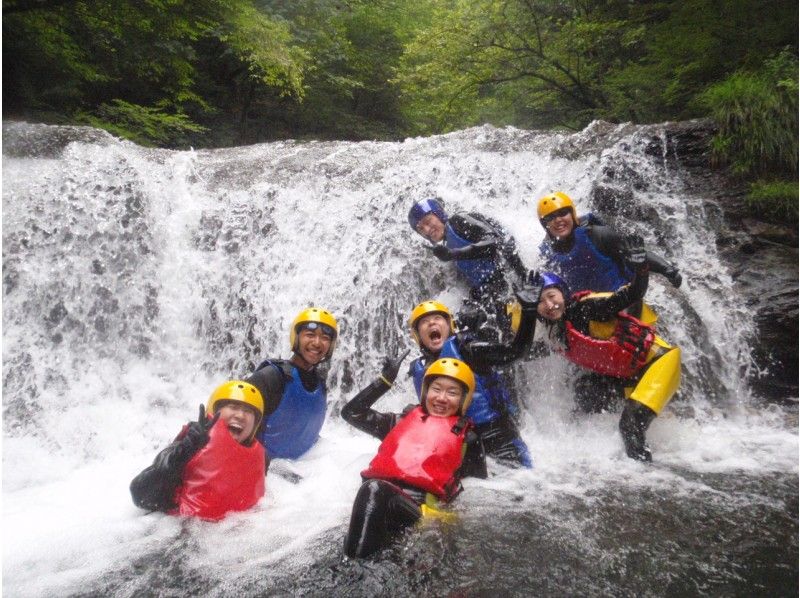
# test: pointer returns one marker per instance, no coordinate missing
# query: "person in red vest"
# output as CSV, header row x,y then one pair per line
x,y
214,465
425,452
624,358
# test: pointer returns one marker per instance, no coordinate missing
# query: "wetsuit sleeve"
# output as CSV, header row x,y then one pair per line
x,y
483,239
270,382
359,413
609,243
474,463
606,308
482,354
659,265
509,249
154,488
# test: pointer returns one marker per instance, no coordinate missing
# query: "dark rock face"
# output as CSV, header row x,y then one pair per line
x,y
762,258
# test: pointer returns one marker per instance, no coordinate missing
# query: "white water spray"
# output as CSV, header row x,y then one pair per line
x,y
136,280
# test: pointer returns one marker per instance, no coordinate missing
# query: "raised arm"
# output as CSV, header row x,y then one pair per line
x,y
154,488
358,411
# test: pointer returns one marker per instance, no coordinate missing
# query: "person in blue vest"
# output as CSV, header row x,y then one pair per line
x,y
295,396
623,357
493,407
484,253
587,254
424,454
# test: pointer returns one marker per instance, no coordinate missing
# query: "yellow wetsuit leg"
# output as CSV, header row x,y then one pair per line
x,y
659,379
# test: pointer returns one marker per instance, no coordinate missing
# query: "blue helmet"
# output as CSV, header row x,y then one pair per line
x,y
422,208
545,280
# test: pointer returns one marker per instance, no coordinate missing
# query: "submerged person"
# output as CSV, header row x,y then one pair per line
x,y
214,465
628,361
493,406
424,453
589,255
483,251
295,395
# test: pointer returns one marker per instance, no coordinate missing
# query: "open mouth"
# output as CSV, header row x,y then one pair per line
x,y
435,335
235,429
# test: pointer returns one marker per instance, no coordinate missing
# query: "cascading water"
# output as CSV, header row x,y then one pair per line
x,y
136,280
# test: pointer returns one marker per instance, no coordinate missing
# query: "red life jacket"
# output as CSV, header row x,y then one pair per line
x,y
424,451
222,476
621,355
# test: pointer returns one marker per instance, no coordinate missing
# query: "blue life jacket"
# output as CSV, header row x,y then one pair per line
x,y
490,400
294,426
477,272
583,267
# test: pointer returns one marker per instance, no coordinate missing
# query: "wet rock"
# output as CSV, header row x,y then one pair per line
x,y
24,140
761,256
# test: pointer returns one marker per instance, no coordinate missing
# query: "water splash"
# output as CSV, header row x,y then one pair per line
x,y
135,280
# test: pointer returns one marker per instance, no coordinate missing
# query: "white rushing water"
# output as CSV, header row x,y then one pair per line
x,y
137,280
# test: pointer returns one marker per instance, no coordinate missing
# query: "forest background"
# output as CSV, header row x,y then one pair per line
x,y
215,73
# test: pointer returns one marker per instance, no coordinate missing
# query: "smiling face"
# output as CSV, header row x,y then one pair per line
x,y
443,396
312,347
240,418
433,329
551,304
559,224
431,228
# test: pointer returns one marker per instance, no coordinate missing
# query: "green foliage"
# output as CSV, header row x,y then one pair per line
x,y
757,117
144,125
265,47
353,48
145,53
219,72
774,200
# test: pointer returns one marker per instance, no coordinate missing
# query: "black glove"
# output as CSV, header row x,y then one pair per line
x,y
391,365
534,287
673,276
636,255
528,297
197,433
441,252
471,316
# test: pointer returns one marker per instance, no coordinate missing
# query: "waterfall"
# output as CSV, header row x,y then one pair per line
x,y
135,280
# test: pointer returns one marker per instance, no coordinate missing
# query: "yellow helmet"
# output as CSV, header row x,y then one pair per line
x,y
319,316
555,201
240,392
455,369
425,308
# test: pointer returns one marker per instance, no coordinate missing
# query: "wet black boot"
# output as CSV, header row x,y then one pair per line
x,y
633,424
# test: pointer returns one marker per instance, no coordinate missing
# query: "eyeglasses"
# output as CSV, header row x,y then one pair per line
x,y
559,213
326,330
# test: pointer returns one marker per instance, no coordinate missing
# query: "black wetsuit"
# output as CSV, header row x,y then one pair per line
x,y
595,392
490,241
382,509
615,247
154,488
500,435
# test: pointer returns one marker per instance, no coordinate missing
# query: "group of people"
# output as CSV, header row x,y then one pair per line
x,y
586,303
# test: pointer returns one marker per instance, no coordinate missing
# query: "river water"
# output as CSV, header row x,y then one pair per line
x,y
136,280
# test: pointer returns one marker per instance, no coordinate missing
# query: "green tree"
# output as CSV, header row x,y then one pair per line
x,y
129,62
354,47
